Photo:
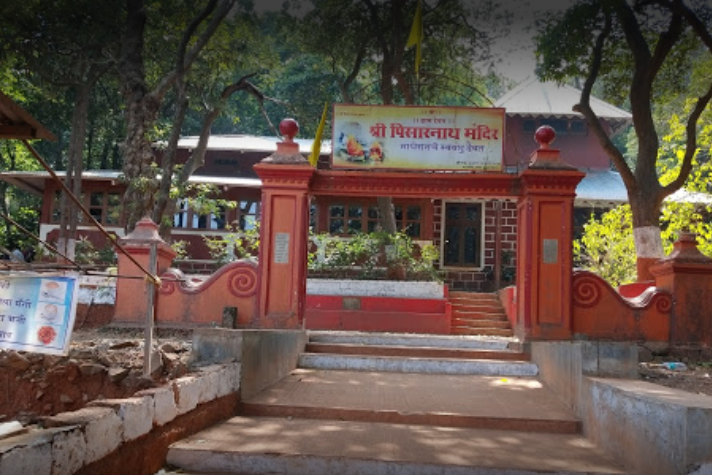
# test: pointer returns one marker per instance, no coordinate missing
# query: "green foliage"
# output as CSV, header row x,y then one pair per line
x,y
236,244
373,256
181,249
86,253
203,199
655,61
361,50
607,247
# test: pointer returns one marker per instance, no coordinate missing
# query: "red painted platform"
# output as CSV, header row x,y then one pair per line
x,y
378,314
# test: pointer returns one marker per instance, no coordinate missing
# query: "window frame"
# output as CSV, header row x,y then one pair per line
x,y
86,200
366,219
480,259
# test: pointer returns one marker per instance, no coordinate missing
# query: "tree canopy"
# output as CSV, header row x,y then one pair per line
x,y
113,80
645,51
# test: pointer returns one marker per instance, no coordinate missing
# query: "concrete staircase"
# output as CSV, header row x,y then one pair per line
x,y
362,404
478,314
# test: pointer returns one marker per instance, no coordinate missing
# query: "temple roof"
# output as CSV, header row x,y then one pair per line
x,y
605,188
250,143
16,123
34,181
534,98
598,189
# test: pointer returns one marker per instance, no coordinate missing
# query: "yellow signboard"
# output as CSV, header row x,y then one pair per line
x,y
415,137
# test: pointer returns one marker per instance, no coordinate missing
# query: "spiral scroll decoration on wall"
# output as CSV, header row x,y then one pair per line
x,y
242,282
587,291
663,303
169,282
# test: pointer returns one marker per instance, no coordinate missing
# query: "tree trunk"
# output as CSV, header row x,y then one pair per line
x,y
141,111
80,119
386,214
646,232
138,157
142,106
164,203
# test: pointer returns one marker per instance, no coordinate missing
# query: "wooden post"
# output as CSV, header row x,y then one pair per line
x,y
150,310
498,245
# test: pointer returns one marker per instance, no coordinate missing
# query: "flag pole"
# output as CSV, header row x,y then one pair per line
x,y
316,146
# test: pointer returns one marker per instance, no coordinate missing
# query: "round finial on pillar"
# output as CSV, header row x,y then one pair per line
x,y
545,136
289,129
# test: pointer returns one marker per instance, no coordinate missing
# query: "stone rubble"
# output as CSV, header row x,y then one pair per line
x,y
101,364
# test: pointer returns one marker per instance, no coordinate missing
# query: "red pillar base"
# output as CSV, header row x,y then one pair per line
x,y
687,274
643,265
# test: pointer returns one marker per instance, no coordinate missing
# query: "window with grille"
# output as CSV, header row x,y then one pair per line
x,y
352,218
103,206
244,216
463,235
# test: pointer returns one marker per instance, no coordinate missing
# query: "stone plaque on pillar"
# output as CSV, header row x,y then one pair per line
x,y
551,251
281,248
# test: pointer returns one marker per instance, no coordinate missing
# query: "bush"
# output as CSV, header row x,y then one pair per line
x,y
234,245
373,256
607,246
86,253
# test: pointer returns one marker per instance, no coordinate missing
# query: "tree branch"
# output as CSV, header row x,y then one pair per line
x,y
665,43
690,144
375,25
169,156
192,54
360,55
633,34
584,106
692,19
188,33
197,158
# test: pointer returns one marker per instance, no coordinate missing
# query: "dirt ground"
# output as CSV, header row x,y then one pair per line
x,y
108,363
101,364
696,377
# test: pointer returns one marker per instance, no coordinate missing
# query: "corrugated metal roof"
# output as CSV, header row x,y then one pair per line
x,y
250,143
606,188
601,188
533,97
684,196
34,181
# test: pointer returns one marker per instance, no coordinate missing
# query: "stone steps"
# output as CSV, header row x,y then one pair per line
x,y
413,340
490,367
469,330
480,323
396,404
478,314
413,352
249,445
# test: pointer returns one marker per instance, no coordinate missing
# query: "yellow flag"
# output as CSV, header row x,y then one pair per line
x,y
416,37
316,146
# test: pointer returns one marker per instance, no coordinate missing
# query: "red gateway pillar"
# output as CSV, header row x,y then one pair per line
x,y
284,228
544,245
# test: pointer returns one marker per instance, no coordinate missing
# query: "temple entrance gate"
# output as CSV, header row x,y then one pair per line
x,y
545,193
